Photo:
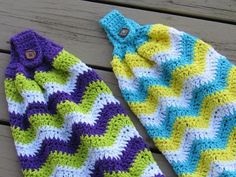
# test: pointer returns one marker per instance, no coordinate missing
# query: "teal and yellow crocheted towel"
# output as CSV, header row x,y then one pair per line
x,y
182,90
65,120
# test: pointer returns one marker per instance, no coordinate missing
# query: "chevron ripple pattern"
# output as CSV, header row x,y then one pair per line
x,y
182,90
64,119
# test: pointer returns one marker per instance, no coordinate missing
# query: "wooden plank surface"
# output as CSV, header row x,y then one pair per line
x,y
223,10
74,24
10,167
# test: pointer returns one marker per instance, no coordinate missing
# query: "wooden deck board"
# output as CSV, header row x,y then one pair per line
x,y
222,10
75,25
10,167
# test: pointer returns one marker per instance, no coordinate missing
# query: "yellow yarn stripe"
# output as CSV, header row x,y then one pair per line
x,y
133,60
120,69
179,76
151,103
213,155
209,104
156,44
157,32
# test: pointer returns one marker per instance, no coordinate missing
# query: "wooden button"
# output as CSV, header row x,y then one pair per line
x,y
30,54
124,32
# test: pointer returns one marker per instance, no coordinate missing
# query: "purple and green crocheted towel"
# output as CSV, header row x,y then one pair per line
x,y
64,119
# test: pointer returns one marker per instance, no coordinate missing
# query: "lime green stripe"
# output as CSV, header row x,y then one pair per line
x,y
39,120
64,108
29,135
113,129
65,60
11,90
60,158
24,84
55,76
142,160
92,91
62,62
76,160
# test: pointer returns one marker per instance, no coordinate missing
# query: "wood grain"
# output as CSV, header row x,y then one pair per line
x,y
74,24
223,10
10,167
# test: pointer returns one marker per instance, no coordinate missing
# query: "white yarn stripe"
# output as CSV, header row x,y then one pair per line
x,y
172,53
139,72
29,97
64,133
79,68
217,168
151,170
75,70
91,118
125,83
155,72
50,87
95,154
189,85
192,134
175,50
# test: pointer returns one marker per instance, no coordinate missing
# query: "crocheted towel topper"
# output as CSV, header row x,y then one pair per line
x,y
183,92
65,120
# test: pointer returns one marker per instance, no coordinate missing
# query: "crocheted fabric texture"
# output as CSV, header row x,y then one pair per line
x,y
182,90
65,120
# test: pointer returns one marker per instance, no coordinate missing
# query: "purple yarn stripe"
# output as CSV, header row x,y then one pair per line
x,y
78,130
159,175
33,108
107,113
82,82
108,110
20,121
134,145
124,163
41,52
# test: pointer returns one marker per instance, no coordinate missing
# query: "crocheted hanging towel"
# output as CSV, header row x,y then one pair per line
x,y
182,90
65,120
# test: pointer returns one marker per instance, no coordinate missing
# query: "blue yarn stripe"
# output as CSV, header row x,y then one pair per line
x,y
228,174
188,43
195,103
219,142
